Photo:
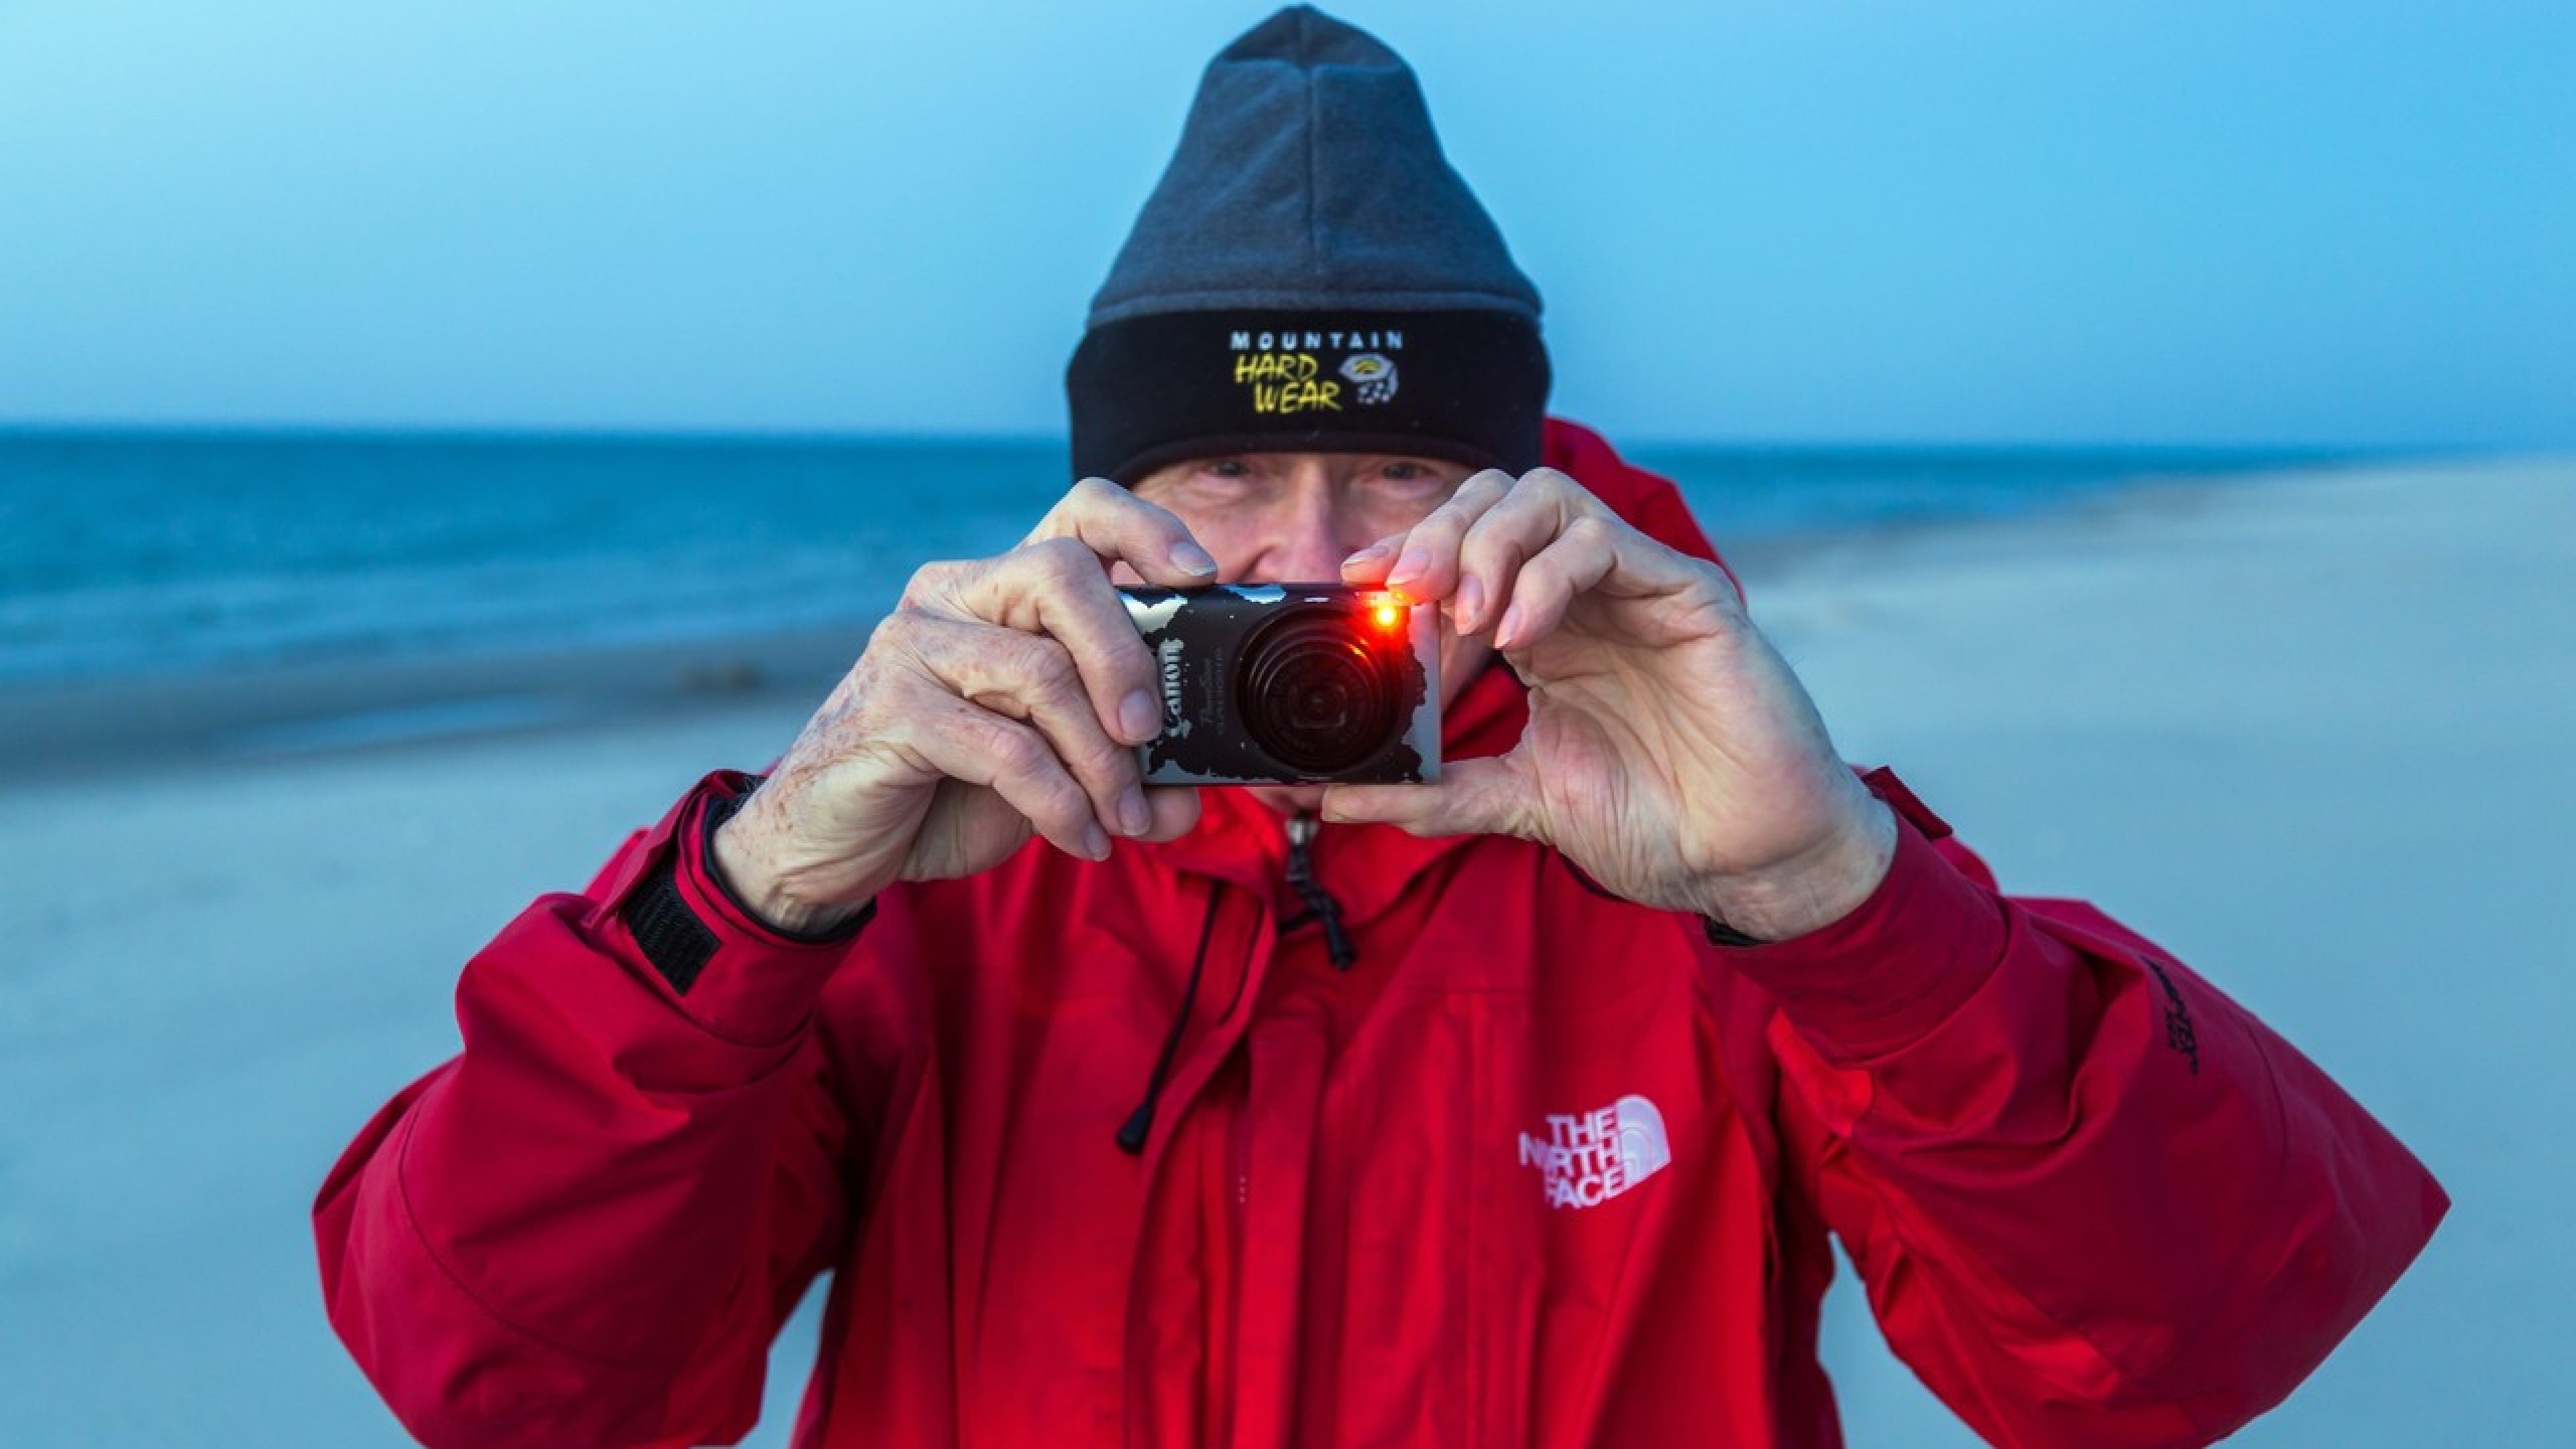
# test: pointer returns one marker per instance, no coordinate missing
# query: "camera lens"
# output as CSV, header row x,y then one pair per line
x,y
1315,693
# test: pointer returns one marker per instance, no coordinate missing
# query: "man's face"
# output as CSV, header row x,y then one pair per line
x,y
1291,518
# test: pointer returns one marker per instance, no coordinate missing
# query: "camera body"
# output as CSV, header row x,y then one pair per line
x,y
1287,683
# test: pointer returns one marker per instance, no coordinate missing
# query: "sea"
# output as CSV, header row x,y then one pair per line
x,y
155,553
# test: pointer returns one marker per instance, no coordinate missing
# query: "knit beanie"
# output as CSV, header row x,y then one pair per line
x,y
1309,276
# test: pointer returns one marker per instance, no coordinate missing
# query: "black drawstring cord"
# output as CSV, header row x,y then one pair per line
x,y
1319,902
1140,1123
1337,948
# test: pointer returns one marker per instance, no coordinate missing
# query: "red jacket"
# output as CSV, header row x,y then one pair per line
x,y
1541,1168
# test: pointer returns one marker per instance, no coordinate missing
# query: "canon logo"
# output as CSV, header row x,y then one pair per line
x,y
1168,653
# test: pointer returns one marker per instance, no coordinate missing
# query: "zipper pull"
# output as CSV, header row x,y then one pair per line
x,y
1301,878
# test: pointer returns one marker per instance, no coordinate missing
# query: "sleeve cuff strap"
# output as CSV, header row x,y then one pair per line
x,y
1884,976
735,975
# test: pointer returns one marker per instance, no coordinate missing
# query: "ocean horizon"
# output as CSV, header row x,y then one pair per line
x,y
148,552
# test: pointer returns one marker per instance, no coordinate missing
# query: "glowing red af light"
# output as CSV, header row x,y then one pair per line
x,y
1389,614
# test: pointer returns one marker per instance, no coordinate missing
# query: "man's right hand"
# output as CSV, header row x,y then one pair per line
x,y
1002,697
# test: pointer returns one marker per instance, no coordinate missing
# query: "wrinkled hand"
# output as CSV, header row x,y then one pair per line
x,y
1670,751
1002,697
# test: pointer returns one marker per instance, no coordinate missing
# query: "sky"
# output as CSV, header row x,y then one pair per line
x,y
1863,221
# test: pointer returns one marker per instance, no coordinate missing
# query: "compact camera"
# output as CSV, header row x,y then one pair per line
x,y
1272,683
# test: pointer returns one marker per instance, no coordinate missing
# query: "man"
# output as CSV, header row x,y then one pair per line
x,y
1513,1109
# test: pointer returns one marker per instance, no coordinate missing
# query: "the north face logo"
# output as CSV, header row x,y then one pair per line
x,y
1587,1159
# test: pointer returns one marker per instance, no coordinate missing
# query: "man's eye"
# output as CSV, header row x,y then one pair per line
x,y
1413,480
1229,468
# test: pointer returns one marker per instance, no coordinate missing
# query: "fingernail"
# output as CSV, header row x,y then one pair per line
x,y
1139,717
1095,842
1508,632
1467,604
1133,817
1189,558
1370,554
1412,565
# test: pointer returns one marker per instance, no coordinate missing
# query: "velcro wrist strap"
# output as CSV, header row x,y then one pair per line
x,y
674,941
668,909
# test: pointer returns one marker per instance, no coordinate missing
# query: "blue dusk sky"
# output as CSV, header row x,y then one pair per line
x,y
2249,222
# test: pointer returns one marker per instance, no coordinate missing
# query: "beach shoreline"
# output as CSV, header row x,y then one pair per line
x,y
180,718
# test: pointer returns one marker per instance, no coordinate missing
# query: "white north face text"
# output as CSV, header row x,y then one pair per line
x,y
1589,1158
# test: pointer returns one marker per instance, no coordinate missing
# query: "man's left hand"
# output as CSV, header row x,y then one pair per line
x,y
1670,751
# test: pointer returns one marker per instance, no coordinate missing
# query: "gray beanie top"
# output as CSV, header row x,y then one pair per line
x,y
1308,176
1309,275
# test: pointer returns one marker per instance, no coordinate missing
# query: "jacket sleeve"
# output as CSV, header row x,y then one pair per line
x,y
2095,1203
586,1228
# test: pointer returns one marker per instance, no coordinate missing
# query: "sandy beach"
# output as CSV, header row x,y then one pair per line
x,y
2308,731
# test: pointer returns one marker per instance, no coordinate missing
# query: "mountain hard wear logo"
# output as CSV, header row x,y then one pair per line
x,y
1372,375
1289,370
1587,1159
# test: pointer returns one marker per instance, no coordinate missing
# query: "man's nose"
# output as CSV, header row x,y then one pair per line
x,y
1315,535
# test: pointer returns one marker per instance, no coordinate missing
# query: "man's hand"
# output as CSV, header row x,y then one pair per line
x,y
1001,697
1670,752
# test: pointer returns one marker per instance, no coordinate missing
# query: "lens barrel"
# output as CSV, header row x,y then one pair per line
x,y
1316,692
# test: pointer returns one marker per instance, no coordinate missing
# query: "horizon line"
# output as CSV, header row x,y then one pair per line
x,y
573,434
